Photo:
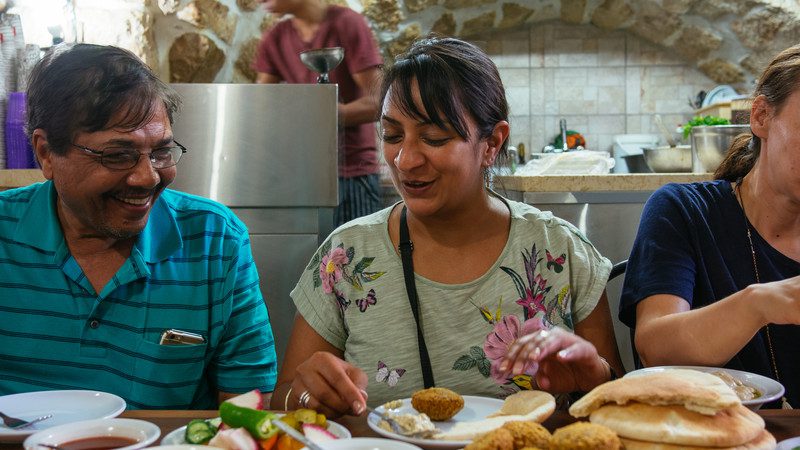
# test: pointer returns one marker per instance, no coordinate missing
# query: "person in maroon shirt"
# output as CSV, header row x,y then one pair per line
x,y
314,24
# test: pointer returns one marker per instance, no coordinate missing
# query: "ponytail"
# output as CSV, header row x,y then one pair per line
x,y
740,159
780,79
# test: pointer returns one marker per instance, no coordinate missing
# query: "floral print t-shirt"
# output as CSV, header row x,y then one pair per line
x,y
353,294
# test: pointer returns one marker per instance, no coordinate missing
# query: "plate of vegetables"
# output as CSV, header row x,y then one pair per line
x,y
243,425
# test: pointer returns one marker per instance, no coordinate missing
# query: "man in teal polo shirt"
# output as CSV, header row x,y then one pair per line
x,y
108,280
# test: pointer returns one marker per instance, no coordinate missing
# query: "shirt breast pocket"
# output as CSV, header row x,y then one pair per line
x,y
168,376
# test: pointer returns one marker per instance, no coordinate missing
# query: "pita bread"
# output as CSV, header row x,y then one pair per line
x,y
674,424
526,402
764,441
529,405
697,391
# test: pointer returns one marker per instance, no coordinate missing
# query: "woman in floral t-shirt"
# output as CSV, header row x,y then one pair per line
x,y
508,297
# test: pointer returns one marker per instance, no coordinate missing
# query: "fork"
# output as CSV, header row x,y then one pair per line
x,y
15,423
398,429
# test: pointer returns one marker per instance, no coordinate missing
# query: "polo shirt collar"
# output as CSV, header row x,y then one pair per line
x,y
39,227
161,236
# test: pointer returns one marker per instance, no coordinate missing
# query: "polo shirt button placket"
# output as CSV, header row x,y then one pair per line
x,y
94,324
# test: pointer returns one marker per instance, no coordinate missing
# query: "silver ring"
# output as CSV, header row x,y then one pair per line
x,y
304,398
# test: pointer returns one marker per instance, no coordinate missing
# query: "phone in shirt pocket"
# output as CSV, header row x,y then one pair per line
x,y
180,337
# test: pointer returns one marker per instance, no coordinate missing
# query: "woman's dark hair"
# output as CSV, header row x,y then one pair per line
x,y
778,81
85,87
454,78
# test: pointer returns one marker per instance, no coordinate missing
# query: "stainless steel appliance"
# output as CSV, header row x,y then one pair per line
x,y
270,153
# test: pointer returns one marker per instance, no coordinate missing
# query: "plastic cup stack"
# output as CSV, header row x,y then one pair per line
x,y
19,153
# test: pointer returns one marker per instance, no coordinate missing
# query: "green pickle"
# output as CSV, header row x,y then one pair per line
x,y
304,415
257,422
199,431
290,420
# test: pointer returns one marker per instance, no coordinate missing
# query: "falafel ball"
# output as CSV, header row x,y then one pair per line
x,y
438,403
585,436
497,439
528,433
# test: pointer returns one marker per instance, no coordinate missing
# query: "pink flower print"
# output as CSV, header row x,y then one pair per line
x,y
330,269
540,282
533,303
497,343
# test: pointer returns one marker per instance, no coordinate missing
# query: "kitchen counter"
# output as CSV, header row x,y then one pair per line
x,y
13,178
589,183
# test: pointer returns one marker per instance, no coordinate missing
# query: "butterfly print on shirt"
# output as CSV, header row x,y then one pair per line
x,y
555,264
389,376
364,303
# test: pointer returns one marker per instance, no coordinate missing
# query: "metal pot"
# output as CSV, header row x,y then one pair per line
x,y
711,143
666,159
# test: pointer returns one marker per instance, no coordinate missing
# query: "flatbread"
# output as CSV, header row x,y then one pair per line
x,y
764,441
674,424
697,391
539,406
527,402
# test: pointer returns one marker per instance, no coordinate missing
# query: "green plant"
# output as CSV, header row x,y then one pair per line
x,y
702,121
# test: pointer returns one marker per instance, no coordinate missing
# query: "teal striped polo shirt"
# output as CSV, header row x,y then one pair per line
x,y
191,269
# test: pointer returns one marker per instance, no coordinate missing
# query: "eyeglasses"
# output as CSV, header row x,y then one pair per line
x,y
123,158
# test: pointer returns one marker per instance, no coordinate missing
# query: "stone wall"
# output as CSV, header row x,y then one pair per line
x,y
728,41
697,43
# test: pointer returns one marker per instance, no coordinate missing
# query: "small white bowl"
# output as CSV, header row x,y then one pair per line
x,y
366,444
145,433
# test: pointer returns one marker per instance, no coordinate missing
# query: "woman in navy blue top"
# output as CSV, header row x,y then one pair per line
x,y
712,278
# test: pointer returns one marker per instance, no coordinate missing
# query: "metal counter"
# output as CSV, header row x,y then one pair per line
x,y
270,153
609,219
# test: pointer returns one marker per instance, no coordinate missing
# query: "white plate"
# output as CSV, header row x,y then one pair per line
x,y
719,94
145,433
770,389
789,444
65,406
366,444
175,437
475,408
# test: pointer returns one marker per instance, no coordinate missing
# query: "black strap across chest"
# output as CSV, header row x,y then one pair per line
x,y
406,247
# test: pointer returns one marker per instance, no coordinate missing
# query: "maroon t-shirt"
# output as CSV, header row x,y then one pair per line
x,y
279,54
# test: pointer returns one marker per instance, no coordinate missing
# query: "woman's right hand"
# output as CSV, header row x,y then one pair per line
x,y
335,386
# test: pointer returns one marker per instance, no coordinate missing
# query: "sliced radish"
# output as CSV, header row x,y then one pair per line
x,y
234,439
252,400
317,434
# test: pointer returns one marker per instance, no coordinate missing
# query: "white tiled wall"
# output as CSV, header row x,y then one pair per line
x,y
603,83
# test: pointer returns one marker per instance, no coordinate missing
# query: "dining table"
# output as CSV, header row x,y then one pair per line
x,y
782,423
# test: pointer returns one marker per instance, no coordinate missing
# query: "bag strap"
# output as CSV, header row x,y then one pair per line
x,y
406,247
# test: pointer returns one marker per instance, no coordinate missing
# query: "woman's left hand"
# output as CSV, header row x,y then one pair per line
x,y
567,362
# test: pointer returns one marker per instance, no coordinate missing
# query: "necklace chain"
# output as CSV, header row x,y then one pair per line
x,y
784,403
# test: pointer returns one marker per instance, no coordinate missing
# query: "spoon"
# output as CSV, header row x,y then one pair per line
x,y
664,131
